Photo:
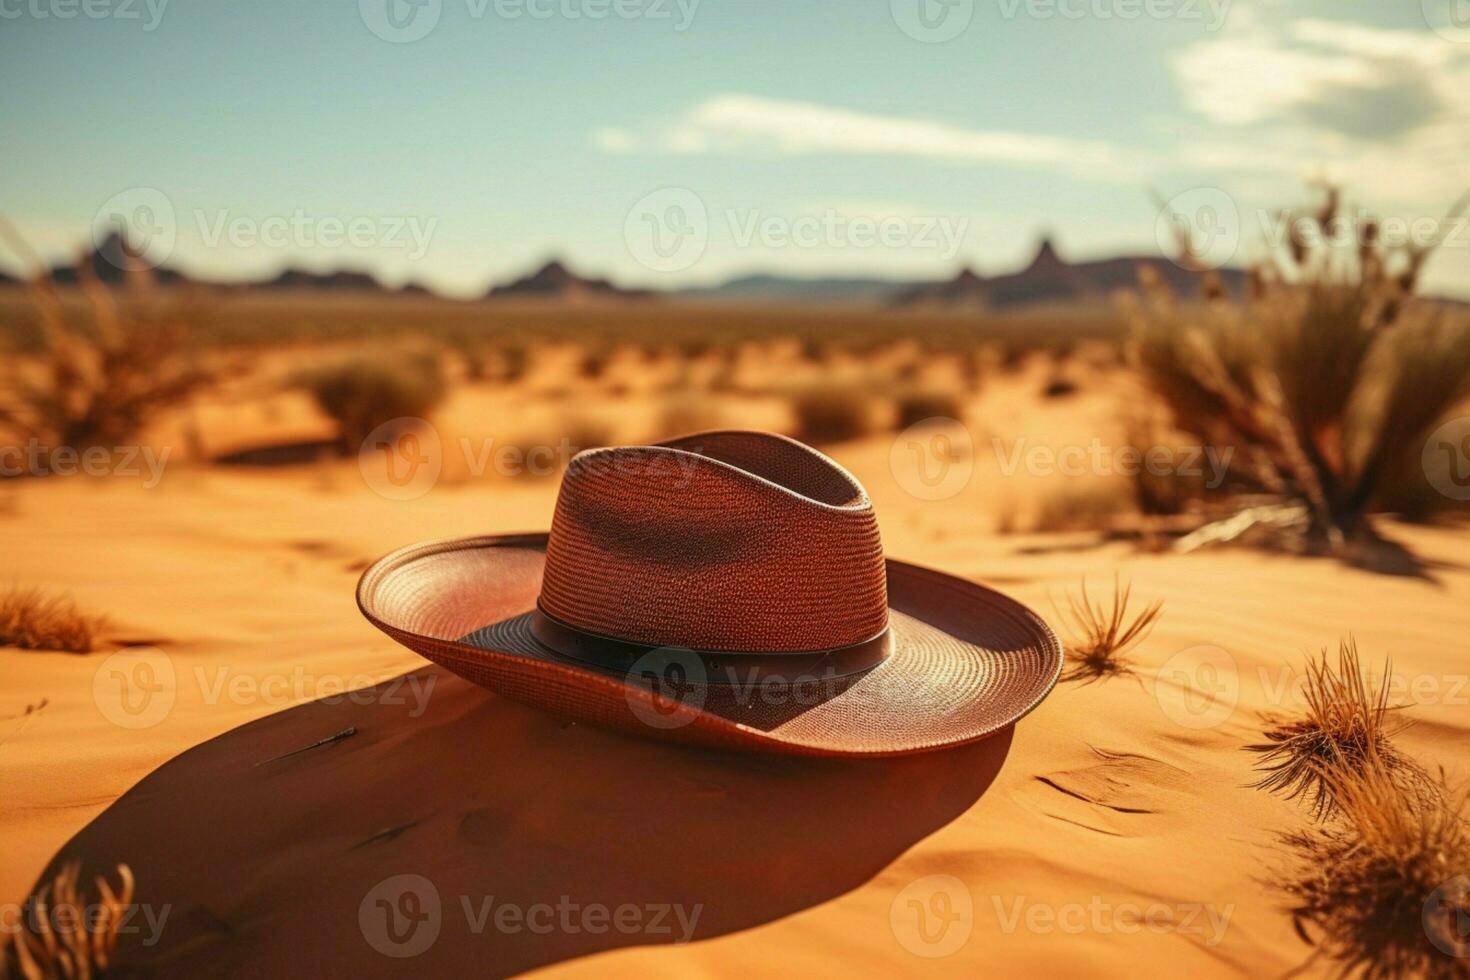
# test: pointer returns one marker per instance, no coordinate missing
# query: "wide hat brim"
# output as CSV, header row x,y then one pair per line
x,y
966,661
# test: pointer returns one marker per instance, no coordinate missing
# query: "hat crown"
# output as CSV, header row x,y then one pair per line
x,y
723,541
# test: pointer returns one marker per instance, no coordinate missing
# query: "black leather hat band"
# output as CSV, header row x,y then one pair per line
x,y
707,667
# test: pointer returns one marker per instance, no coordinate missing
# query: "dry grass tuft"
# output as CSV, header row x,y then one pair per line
x,y
1102,634
918,404
1059,386
32,620
1381,892
1325,380
828,413
362,392
1344,727
99,378
63,933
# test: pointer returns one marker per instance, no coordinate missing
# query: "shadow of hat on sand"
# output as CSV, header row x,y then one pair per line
x,y
463,831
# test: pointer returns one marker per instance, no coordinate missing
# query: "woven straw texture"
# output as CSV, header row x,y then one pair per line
x,y
967,661
735,541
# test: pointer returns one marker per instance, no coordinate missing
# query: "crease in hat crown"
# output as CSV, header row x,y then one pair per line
x,y
723,541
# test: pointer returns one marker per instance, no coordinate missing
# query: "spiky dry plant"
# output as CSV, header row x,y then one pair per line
x,y
1380,893
1104,633
1344,727
32,620
1325,379
100,378
62,933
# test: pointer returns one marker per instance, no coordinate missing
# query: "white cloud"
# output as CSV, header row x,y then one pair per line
x,y
613,140
736,123
1259,72
1383,112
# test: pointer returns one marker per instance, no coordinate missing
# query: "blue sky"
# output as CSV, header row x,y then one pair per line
x,y
513,130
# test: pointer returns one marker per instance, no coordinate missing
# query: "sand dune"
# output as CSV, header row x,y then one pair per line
x,y
1114,830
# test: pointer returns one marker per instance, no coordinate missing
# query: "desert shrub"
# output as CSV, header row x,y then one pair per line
x,y
64,932
828,412
1412,492
972,367
515,360
99,379
1381,890
362,392
472,351
1059,386
1102,634
32,620
1325,379
595,361
1344,727
814,351
917,404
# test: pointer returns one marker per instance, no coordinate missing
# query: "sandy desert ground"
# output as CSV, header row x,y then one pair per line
x,y
1113,831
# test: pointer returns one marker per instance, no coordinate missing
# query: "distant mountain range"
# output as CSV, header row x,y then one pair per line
x,y
114,260
555,281
1048,279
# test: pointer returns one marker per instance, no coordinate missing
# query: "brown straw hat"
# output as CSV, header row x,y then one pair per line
x,y
729,589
